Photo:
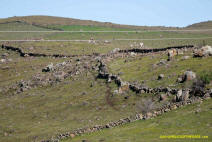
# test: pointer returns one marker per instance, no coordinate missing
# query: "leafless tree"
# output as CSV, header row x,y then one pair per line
x,y
145,105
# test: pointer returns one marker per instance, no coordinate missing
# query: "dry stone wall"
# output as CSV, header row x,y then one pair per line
x,y
23,54
136,117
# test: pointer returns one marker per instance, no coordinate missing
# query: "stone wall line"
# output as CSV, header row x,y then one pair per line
x,y
136,117
137,50
23,54
104,74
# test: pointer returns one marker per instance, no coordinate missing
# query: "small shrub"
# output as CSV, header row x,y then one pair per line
x,y
206,77
145,105
198,87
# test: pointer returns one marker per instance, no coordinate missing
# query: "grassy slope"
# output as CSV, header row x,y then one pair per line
x,y
86,28
70,48
50,20
183,121
201,25
141,68
44,112
21,68
79,48
18,26
76,23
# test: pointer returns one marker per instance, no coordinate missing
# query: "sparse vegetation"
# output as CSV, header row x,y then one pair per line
x,y
145,105
38,112
206,77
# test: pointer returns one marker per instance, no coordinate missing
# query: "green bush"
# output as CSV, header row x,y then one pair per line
x,y
206,77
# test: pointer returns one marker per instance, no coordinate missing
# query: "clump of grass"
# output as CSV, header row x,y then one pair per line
x,y
146,105
206,77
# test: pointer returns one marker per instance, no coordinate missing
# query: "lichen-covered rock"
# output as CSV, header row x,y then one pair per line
x,y
161,76
163,97
179,95
185,95
115,50
48,68
189,75
204,51
171,54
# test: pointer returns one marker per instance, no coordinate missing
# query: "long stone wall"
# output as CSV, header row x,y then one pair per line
x,y
23,54
155,49
136,117
104,74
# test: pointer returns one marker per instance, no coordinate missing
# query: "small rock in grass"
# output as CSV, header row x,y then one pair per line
x,y
161,76
163,97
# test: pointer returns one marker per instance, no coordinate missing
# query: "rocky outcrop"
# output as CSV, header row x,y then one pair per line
x,y
203,51
187,76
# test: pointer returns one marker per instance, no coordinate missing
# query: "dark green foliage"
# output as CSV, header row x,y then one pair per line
x,y
206,77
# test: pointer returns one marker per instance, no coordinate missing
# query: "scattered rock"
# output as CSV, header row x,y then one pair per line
x,y
204,51
3,60
10,60
59,75
163,97
188,75
162,62
116,91
185,57
141,44
126,97
179,52
31,48
5,55
5,134
49,68
171,54
72,135
179,95
115,50
179,79
161,76
106,42
185,95
132,54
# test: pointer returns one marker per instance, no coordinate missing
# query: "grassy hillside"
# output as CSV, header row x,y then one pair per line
x,y
189,120
145,69
201,25
61,23
50,20
20,26
81,99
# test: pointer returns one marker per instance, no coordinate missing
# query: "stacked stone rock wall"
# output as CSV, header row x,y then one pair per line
x,y
156,49
136,117
23,54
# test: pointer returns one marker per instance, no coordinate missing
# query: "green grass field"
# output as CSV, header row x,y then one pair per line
x,y
82,100
143,69
190,120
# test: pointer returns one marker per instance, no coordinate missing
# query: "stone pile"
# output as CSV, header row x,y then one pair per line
x,y
203,51
51,74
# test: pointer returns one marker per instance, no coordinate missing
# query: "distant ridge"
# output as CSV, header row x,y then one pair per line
x,y
52,20
44,21
201,25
